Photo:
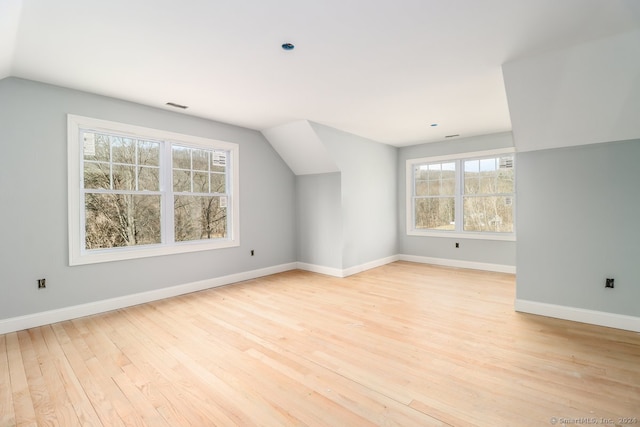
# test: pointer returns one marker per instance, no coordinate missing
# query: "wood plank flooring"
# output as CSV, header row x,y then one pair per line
x,y
401,345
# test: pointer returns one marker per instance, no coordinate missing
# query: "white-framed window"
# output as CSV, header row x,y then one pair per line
x,y
137,192
468,195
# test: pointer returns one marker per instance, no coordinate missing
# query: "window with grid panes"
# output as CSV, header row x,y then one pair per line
x,y
137,192
464,195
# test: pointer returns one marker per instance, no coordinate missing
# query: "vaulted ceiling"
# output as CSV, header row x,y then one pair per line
x,y
385,70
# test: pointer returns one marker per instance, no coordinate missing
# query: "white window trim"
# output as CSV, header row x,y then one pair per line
x,y
78,256
411,231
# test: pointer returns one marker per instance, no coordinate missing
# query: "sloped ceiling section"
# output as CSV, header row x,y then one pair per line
x,y
9,23
383,70
585,94
301,148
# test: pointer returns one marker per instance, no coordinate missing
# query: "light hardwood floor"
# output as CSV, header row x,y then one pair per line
x,y
404,344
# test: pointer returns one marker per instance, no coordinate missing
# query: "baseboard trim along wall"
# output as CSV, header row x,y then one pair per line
x,y
499,268
346,272
369,265
593,317
320,269
73,312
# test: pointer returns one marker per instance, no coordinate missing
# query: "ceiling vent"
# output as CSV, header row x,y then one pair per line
x,y
173,104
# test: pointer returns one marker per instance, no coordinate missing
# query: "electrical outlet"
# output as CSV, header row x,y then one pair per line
x,y
42,283
252,252
457,245
609,283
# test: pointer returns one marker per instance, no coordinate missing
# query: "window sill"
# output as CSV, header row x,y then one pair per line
x,y
118,254
508,237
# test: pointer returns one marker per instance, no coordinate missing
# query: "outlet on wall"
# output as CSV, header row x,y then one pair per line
x,y
42,283
608,283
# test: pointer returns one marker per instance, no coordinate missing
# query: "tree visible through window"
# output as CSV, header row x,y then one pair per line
x,y
435,190
122,196
488,194
138,191
199,186
474,195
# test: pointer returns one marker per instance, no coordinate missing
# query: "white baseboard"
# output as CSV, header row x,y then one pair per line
x,y
369,265
329,271
500,268
600,318
47,317
345,272
67,313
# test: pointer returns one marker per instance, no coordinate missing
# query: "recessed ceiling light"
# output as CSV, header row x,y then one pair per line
x,y
173,104
288,46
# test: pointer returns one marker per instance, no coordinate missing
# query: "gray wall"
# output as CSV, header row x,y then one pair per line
x,y
319,213
472,250
578,213
369,214
33,217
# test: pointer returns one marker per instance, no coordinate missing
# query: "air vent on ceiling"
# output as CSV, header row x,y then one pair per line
x,y
173,104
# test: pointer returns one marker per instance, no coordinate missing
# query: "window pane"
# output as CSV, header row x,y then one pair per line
x,y
489,176
443,187
200,159
487,183
219,161
448,169
433,188
422,188
124,177
471,176
505,181
97,176
488,165
436,179
181,180
490,213
436,213
471,166
448,187
471,184
148,153
199,217
115,220
181,157
200,182
421,185
148,179
434,172
218,183
95,146
123,150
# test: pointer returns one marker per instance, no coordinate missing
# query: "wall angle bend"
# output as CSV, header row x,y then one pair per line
x,y
301,148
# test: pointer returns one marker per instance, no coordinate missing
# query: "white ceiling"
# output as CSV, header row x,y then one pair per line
x,y
381,69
